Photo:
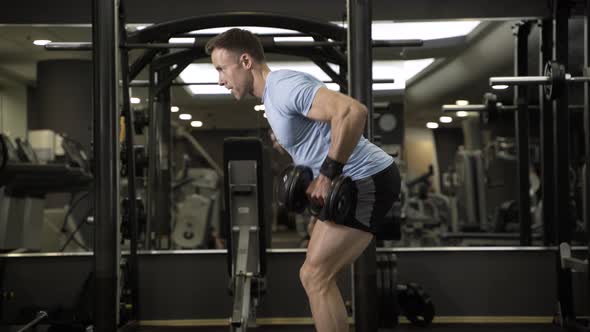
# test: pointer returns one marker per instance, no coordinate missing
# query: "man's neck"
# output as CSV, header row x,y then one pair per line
x,y
260,76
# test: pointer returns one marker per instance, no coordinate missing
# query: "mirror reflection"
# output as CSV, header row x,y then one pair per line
x,y
458,164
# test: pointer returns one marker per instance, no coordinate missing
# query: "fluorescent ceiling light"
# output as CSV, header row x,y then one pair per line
x,y
196,124
181,40
421,30
174,109
253,29
293,39
461,102
445,119
432,125
499,87
185,116
209,89
462,114
398,70
41,42
381,30
384,86
135,100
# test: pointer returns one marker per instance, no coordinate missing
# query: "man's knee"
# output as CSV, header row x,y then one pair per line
x,y
314,277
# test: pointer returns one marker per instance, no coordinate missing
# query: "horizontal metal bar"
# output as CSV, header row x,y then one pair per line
x,y
398,43
470,249
465,108
376,43
77,46
296,251
500,107
160,45
87,46
523,80
533,80
578,79
475,108
266,321
145,83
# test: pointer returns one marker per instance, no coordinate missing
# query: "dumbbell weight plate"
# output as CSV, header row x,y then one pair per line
x,y
416,304
282,184
293,184
490,100
341,199
557,73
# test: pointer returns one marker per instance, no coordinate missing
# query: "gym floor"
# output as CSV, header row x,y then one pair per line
x,y
401,328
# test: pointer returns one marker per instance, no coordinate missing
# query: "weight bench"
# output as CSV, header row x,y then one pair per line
x,y
245,192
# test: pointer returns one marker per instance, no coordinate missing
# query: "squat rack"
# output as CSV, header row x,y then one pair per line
x,y
110,53
555,148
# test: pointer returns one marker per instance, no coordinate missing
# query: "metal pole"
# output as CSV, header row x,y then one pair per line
x,y
153,157
106,153
562,159
521,127
159,163
133,276
586,191
360,71
165,160
546,137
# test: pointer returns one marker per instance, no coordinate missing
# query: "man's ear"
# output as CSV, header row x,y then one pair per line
x,y
246,61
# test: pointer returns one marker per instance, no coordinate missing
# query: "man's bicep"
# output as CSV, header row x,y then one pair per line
x,y
327,103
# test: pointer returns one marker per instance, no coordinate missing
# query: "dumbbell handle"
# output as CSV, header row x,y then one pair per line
x,y
532,80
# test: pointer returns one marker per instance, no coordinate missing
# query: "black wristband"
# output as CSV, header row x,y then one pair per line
x,y
331,168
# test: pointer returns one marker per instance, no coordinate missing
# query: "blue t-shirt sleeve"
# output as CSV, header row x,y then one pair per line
x,y
293,93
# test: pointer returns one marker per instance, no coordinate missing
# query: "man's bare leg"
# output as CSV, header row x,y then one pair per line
x,y
331,248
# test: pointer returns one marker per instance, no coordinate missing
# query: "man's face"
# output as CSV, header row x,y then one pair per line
x,y
234,71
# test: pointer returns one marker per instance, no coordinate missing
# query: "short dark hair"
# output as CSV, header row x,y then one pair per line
x,y
238,41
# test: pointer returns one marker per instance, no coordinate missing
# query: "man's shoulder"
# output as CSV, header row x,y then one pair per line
x,y
288,79
286,74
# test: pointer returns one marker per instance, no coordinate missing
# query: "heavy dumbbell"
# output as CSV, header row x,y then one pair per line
x,y
291,187
416,304
291,193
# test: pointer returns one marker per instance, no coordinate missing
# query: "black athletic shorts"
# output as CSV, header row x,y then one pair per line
x,y
375,197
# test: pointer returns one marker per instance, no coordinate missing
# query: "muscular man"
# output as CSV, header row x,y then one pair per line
x,y
321,129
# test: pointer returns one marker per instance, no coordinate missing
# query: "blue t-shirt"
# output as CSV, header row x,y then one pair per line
x,y
287,97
